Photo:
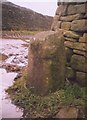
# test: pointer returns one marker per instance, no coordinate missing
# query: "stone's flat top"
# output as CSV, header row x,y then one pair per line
x,y
42,35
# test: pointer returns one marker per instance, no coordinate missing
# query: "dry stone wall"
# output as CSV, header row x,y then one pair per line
x,y
72,19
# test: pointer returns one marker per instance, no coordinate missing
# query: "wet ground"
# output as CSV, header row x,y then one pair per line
x,y
17,52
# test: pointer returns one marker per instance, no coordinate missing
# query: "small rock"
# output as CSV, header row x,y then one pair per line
x,y
26,56
68,112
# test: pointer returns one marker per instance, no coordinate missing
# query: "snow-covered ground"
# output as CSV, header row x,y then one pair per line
x,y
16,51
17,55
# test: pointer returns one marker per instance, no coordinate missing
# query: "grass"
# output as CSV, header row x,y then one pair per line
x,y
25,32
19,34
35,106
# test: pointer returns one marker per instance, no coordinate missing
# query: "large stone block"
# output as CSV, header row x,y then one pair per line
x,y
79,25
61,10
80,52
79,63
71,34
47,63
81,78
76,45
66,25
84,38
75,9
70,18
71,39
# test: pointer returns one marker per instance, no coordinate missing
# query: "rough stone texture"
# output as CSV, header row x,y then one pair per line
x,y
68,53
61,10
70,74
84,38
81,78
79,25
56,25
68,113
71,34
73,17
70,18
74,9
79,63
48,57
71,39
76,45
47,63
55,21
79,52
66,25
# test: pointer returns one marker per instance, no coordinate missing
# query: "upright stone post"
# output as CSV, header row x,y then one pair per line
x,y
46,63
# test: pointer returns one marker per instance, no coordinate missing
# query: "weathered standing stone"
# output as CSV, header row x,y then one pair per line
x,y
84,38
79,25
66,25
81,78
79,63
47,64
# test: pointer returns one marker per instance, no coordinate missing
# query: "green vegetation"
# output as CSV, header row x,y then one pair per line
x,y
18,33
45,106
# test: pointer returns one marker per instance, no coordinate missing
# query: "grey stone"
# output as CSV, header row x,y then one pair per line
x,y
47,64
79,52
79,63
70,73
84,38
81,78
61,10
70,18
71,34
71,39
55,21
66,25
69,53
68,113
76,45
75,9
79,25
